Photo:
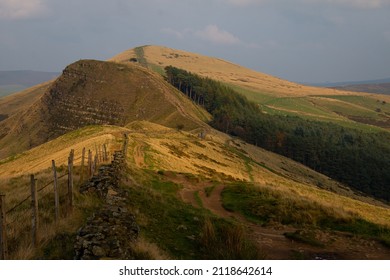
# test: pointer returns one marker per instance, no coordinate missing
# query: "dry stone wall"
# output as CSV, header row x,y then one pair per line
x,y
112,231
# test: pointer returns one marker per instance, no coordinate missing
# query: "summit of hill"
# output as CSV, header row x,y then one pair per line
x,y
93,92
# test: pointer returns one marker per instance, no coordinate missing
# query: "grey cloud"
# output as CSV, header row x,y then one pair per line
x,y
20,9
214,34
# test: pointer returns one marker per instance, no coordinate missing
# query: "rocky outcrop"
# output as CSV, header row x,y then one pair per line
x,y
111,231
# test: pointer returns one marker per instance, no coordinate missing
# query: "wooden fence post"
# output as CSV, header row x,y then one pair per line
x,y
34,212
96,158
95,163
3,229
125,143
70,182
56,199
89,163
82,165
105,158
100,154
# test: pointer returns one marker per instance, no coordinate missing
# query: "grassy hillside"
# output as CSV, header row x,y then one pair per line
x,y
191,194
218,69
325,147
22,100
382,88
93,93
274,95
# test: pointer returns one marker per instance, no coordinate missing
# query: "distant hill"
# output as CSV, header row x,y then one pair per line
x,y
158,57
383,88
274,96
350,83
14,81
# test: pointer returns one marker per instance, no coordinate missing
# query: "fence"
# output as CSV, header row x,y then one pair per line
x,y
62,197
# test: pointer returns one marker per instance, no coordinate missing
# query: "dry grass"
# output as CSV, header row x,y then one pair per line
x,y
227,241
146,250
115,93
17,189
226,72
22,100
224,159
40,158
19,234
170,150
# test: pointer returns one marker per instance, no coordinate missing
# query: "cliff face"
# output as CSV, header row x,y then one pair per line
x,y
87,93
93,92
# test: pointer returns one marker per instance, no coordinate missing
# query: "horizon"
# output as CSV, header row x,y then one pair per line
x,y
312,83
302,41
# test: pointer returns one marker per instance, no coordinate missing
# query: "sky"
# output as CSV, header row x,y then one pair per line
x,y
298,40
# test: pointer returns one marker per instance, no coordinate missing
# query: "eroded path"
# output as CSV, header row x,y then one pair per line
x,y
139,156
271,239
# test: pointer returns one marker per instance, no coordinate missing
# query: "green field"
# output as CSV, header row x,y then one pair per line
x,y
355,111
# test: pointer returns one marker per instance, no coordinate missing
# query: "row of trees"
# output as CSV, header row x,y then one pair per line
x,y
357,158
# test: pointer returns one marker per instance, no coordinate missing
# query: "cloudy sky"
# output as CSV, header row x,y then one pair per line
x,y
298,40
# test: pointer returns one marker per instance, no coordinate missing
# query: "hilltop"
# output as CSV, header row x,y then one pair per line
x,y
274,95
158,57
92,92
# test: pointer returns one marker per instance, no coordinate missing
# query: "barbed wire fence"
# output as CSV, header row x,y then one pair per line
x,y
53,199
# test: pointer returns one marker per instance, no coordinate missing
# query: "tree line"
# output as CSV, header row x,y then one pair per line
x,y
354,157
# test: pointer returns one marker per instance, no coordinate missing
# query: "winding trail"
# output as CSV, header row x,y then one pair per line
x,y
139,156
271,239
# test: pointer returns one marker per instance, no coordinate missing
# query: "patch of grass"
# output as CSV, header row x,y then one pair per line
x,y
205,158
197,143
175,227
198,199
253,95
139,52
248,161
11,158
227,241
385,240
158,69
148,153
166,221
175,150
263,206
61,247
164,186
